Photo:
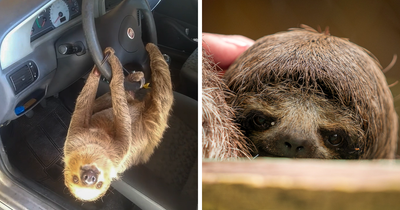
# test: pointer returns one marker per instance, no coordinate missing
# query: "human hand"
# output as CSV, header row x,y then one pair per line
x,y
225,48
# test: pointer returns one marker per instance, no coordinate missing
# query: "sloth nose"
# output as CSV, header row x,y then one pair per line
x,y
295,148
89,177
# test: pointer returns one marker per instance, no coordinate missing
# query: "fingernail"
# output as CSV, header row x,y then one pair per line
x,y
234,42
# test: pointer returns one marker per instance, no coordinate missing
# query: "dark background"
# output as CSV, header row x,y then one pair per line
x,y
374,25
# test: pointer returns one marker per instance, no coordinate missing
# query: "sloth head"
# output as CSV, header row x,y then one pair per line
x,y
88,172
305,94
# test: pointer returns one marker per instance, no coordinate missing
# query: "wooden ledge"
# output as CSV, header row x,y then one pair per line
x,y
271,183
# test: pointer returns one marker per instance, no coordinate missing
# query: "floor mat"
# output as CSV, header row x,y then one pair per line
x,y
36,151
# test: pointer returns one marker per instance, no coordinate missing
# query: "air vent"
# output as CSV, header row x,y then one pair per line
x,y
23,77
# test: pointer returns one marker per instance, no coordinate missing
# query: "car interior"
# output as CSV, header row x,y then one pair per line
x,y
47,49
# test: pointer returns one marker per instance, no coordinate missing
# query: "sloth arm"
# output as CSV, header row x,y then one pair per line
x,y
84,103
159,101
122,118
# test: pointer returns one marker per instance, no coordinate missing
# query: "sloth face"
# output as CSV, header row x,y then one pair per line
x,y
307,94
292,123
88,174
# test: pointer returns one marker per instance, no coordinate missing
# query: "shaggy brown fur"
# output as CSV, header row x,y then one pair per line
x,y
307,94
221,137
115,131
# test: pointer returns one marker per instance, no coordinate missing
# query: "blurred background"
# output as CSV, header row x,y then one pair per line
x,y
374,25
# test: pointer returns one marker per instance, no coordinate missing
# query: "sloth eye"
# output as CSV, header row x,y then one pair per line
x,y
335,139
99,185
261,122
75,179
256,121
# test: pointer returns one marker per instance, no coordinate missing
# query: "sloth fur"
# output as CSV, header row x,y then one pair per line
x,y
305,94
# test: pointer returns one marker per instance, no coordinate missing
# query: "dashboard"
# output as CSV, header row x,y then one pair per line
x,y
57,14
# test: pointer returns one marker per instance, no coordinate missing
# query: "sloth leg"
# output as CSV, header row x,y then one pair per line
x,y
137,80
103,102
84,103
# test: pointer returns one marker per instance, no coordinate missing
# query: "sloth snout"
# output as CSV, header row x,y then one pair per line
x,y
294,147
89,177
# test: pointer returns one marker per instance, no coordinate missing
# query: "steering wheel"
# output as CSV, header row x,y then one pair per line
x,y
121,29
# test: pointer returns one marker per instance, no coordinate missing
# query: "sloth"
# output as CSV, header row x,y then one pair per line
x,y
306,94
109,134
222,138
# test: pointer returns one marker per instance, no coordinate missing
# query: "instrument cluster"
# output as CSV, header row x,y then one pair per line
x,y
57,14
